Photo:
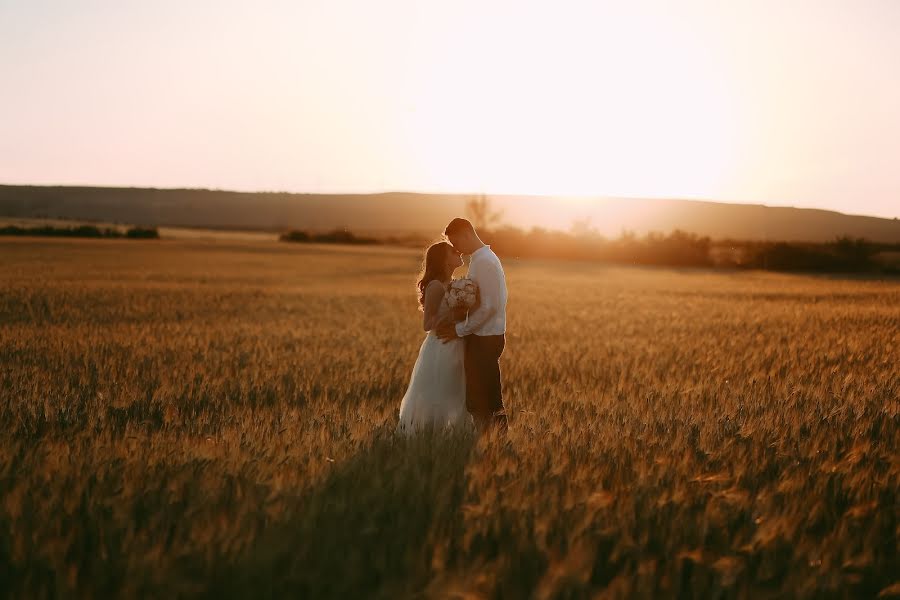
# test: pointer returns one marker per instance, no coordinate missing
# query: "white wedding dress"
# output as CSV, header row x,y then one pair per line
x,y
436,396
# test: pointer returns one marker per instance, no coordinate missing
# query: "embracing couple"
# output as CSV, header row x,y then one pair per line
x,y
457,373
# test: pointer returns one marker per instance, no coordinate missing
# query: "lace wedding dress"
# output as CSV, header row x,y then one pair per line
x,y
436,396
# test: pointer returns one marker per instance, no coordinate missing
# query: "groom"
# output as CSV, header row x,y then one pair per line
x,y
484,330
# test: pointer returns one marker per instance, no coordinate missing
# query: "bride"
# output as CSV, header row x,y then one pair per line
x,y
436,396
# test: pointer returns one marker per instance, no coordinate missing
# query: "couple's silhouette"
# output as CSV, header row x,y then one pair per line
x,y
456,378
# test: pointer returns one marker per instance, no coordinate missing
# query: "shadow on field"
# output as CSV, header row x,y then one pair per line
x,y
376,526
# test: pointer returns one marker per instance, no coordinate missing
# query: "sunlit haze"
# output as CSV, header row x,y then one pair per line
x,y
774,102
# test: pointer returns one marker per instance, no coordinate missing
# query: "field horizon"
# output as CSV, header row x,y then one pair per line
x,y
405,213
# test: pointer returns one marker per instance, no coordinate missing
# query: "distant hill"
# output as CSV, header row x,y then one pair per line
x,y
401,213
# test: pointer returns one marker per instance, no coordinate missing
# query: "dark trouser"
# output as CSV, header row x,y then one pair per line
x,y
484,396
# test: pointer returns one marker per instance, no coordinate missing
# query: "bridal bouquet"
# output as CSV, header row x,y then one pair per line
x,y
463,294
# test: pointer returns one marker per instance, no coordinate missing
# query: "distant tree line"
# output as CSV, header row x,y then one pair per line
x,y
681,249
675,249
843,254
81,231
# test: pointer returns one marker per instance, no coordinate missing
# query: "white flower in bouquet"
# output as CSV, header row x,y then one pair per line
x,y
463,293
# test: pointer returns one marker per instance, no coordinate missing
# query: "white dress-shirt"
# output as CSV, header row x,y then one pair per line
x,y
490,317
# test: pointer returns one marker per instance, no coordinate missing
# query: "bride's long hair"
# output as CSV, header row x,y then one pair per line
x,y
434,266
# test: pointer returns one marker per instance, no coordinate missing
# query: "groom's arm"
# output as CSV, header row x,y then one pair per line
x,y
488,280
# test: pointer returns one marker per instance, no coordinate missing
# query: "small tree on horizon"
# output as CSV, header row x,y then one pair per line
x,y
479,211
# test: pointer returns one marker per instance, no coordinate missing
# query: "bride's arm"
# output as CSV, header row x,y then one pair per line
x,y
434,295
457,315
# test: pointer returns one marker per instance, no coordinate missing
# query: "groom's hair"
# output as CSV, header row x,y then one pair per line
x,y
458,225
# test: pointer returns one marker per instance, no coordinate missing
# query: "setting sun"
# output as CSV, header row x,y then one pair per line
x,y
790,103
636,108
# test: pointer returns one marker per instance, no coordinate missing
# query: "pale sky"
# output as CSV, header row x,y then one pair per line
x,y
781,102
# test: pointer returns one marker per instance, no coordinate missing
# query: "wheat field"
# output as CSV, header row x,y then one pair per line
x,y
214,419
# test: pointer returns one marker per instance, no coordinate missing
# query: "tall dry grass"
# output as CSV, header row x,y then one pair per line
x,y
214,419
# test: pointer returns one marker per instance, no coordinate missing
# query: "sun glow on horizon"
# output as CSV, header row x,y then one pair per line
x,y
653,118
767,102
